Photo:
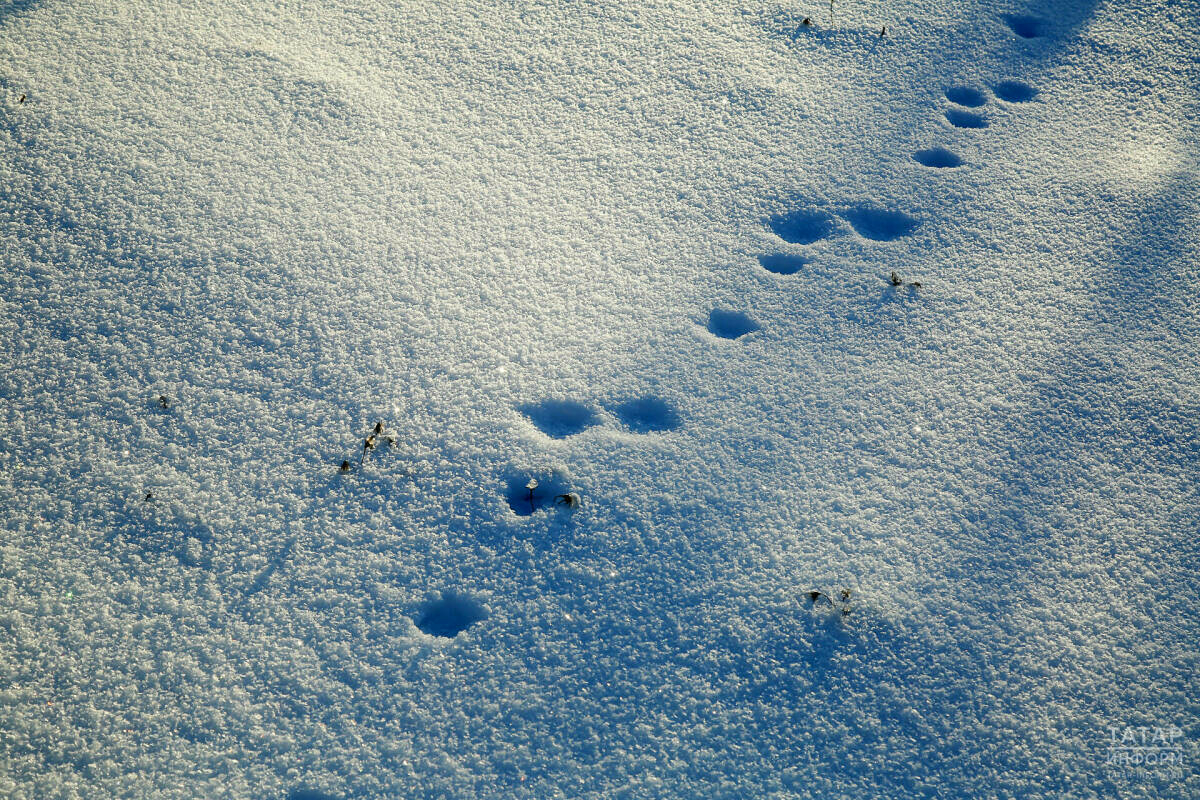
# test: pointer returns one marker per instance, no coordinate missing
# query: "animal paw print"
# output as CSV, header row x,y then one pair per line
x,y
1013,91
530,491
1025,26
559,419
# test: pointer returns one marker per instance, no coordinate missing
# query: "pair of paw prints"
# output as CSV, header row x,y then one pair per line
x,y
808,226
559,419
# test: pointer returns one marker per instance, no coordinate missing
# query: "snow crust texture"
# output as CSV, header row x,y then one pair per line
x,y
459,400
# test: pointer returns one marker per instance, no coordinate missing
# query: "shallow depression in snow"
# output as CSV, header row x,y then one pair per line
x,y
803,227
881,224
559,418
1014,91
938,157
647,414
1025,26
449,615
967,96
783,263
730,324
965,119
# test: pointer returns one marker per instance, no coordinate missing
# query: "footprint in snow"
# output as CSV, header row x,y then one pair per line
x,y
647,414
880,224
802,226
782,263
530,491
449,615
1014,91
730,324
559,419
965,119
967,96
937,157
1025,26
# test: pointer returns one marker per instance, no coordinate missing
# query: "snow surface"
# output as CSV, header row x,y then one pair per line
x,y
639,252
